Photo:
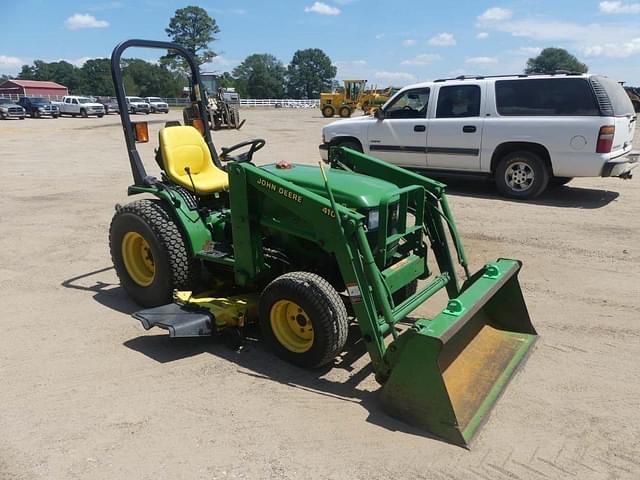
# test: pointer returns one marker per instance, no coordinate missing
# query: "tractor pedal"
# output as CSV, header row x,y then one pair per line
x,y
179,320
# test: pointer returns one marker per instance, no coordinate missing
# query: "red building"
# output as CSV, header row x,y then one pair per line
x,y
33,88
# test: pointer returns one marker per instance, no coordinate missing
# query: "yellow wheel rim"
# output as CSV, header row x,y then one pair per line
x,y
138,259
291,326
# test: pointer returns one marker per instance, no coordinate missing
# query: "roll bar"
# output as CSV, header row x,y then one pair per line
x,y
197,96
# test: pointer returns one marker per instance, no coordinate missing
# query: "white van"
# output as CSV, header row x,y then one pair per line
x,y
525,131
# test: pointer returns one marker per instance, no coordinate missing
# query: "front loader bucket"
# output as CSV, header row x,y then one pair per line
x,y
446,373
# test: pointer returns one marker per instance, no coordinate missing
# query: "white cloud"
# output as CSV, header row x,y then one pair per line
x,y
619,7
409,42
220,62
7,61
84,20
614,50
481,60
423,59
495,14
442,40
379,36
78,62
350,63
395,78
482,35
322,9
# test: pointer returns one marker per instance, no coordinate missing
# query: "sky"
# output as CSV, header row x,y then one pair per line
x,y
390,42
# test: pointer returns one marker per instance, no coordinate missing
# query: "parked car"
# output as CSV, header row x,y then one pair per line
x,y
110,105
157,105
9,109
525,131
138,105
75,105
38,107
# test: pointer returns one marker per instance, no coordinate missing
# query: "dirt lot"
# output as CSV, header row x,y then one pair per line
x,y
87,393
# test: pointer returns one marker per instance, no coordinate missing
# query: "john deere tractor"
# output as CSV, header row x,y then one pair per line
x,y
303,251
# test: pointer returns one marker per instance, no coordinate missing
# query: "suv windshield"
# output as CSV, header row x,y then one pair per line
x,y
4,101
136,99
155,99
84,100
37,100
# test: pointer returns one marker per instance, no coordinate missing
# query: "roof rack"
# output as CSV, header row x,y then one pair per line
x,y
518,75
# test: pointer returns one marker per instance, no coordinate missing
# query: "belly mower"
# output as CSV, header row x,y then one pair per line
x,y
302,251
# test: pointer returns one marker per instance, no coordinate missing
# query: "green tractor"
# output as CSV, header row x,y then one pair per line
x,y
302,251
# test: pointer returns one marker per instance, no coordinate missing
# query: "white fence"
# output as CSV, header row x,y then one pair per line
x,y
244,102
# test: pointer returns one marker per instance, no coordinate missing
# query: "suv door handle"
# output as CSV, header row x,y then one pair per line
x,y
419,128
469,128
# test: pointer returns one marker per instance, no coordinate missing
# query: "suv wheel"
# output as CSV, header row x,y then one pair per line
x,y
83,113
521,175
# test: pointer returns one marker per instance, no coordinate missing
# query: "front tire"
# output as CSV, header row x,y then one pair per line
x,y
149,252
352,144
328,111
83,113
303,319
521,175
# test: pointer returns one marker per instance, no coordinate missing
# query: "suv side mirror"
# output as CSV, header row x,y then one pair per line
x,y
379,114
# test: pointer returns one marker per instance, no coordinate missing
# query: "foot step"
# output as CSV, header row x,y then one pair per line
x,y
179,320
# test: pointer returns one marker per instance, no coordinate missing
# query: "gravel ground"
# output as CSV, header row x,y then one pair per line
x,y
87,393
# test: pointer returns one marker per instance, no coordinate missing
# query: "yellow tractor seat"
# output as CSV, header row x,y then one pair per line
x,y
184,148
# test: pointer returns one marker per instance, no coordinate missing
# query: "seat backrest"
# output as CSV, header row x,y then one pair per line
x,y
182,147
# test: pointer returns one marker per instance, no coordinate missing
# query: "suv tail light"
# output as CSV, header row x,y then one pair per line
x,y
605,139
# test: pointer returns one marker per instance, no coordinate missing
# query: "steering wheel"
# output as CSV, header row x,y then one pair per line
x,y
255,145
407,108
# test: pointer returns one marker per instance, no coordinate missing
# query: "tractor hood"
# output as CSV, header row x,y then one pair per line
x,y
350,189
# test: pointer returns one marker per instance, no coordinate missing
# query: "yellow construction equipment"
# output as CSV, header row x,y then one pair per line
x,y
352,97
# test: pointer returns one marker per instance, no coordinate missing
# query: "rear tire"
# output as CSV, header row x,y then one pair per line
x,y
328,111
100,115
345,111
303,319
149,252
522,175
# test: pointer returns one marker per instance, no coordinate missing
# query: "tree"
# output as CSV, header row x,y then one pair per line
x,y
4,78
260,75
226,80
97,75
551,59
146,79
309,73
194,29
60,72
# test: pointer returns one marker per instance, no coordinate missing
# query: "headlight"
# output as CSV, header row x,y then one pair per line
x,y
373,219
41,109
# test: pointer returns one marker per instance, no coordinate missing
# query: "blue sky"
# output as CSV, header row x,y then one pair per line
x,y
387,42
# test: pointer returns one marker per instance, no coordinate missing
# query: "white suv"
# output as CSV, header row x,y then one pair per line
x,y
525,131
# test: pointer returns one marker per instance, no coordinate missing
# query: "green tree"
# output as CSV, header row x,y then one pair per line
x,y
60,72
146,79
226,80
260,75
309,73
97,77
551,59
4,78
194,29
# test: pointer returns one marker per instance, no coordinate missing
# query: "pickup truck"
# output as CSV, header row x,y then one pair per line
x,y
157,105
84,106
37,107
136,105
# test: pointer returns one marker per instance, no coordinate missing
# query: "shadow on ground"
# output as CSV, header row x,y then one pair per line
x,y
566,196
255,361
110,295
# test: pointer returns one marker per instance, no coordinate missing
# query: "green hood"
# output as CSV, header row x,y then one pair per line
x,y
350,189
